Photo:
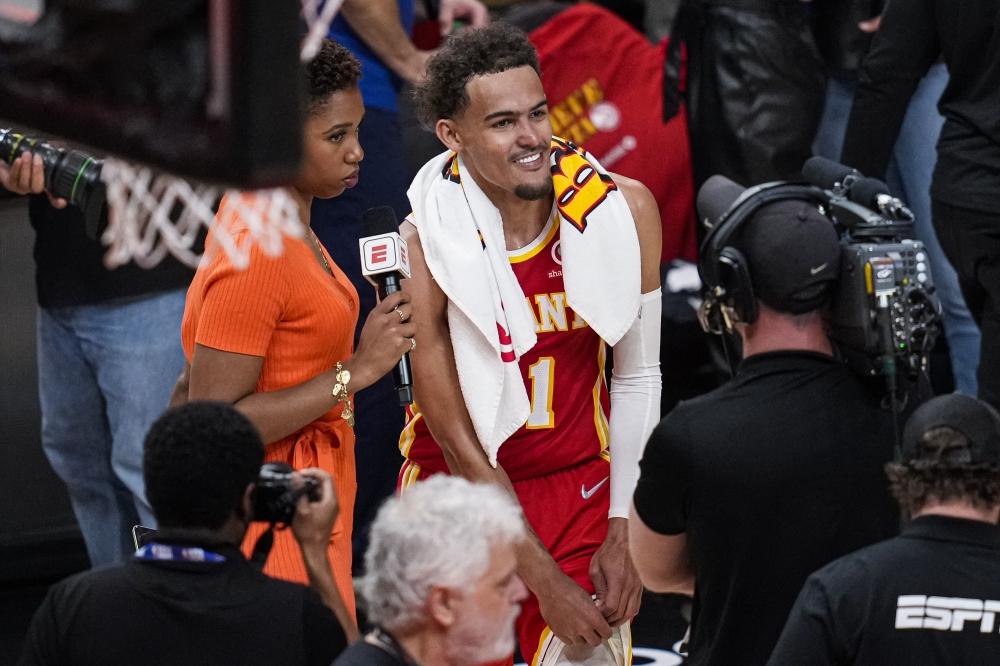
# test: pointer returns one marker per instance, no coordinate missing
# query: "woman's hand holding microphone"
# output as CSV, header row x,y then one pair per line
x,y
386,336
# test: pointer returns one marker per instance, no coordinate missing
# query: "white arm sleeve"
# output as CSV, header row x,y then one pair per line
x,y
635,400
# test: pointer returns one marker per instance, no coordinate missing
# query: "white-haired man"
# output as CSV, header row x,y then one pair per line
x,y
442,585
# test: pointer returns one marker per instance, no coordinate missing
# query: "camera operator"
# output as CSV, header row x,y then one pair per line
x,y
746,490
965,190
191,597
108,356
442,584
931,595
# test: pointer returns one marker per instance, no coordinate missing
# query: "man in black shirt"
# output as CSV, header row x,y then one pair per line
x,y
191,597
109,353
966,187
745,491
932,595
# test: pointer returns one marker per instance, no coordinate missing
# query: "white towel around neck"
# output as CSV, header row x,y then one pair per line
x,y
601,272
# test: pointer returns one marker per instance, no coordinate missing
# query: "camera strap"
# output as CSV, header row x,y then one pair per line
x,y
262,548
383,639
164,552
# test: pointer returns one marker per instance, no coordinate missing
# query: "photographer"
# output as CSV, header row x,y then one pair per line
x,y
191,597
931,595
965,190
745,491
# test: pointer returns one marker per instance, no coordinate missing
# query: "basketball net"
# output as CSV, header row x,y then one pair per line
x,y
152,214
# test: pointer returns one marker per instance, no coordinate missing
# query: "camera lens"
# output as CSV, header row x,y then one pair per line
x,y
69,174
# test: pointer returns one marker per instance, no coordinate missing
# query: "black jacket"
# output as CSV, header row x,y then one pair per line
x,y
913,35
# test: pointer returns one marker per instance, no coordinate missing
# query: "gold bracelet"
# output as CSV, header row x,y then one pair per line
x,y
341,393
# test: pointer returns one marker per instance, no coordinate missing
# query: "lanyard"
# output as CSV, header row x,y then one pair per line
x,y
384,640
163,552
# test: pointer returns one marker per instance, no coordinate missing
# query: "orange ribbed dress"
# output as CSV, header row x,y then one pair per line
x,y
289,310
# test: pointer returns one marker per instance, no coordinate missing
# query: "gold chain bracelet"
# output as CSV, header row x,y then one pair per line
x,y
341,393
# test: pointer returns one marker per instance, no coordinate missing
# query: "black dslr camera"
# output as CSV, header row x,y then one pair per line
x,y
274,499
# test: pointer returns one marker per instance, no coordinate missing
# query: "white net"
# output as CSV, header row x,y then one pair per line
x,y
318,15
152,214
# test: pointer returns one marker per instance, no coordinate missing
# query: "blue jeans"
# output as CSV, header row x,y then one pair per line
x,y
909,177
105,373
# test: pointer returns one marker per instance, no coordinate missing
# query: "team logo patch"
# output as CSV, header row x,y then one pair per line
x,y
507,354
557,252
579,188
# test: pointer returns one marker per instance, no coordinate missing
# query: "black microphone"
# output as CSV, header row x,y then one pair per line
x,y
384,261
866,192
828,175
716,197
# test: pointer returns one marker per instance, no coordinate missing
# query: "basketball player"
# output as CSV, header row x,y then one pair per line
x,y
484,98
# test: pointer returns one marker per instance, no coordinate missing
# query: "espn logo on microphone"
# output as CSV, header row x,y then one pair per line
x,y
385,253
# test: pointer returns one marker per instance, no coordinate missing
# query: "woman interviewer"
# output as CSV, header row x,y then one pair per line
x,y
275,338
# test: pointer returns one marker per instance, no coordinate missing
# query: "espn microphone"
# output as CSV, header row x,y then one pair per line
x,y
384,261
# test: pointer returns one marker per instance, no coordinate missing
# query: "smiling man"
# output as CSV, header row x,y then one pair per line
x,y
527,261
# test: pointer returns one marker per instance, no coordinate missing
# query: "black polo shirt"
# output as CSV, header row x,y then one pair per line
x,y
146,613
930,596
771,476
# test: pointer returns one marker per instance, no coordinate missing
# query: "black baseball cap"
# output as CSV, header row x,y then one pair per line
x,y
978,421
793,254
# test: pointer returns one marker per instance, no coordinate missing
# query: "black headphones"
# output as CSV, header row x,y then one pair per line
x,y
729,296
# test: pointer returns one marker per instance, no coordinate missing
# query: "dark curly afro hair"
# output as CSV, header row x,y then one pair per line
x,y
332,70
198,460
490,50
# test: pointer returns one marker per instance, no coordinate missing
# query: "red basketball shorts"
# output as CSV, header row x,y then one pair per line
x,y
568,509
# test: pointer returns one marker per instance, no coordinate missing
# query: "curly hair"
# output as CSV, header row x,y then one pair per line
x,y
496,48
332,70
931,478
199,459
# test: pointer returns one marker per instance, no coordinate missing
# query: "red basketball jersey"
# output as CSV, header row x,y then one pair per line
x,y
563,375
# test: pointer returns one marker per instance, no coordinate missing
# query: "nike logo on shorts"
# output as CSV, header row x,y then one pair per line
x,y
587,494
